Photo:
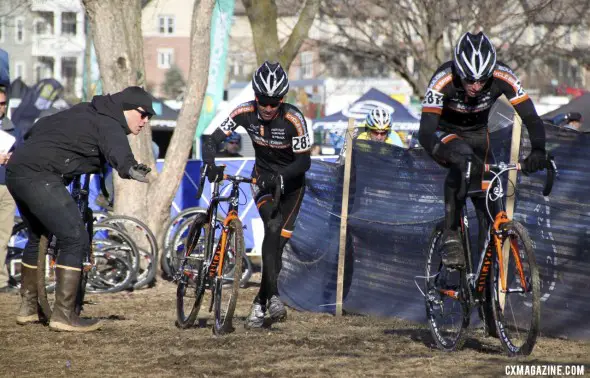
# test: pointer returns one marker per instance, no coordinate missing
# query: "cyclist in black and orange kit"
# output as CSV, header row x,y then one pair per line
x,y
453,127
282,148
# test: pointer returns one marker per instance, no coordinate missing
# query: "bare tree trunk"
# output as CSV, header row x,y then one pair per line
x,y
263,21
118,39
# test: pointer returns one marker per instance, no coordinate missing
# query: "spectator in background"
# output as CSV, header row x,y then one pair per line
x,y
7,205
316,149
572,121
231,146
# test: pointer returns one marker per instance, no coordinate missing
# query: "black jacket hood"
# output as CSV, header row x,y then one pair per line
x,y
110,106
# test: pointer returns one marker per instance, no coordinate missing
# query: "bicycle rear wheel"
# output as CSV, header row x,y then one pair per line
x,y
517,310
192,274
227,284
110,273
446,311
144,240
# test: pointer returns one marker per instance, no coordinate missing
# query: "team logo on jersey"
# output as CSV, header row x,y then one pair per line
x,y
262,130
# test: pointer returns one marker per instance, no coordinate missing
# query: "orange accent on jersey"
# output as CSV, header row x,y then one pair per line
x,y
449,138
442,82
242,109
296,122
518,100
510,79
286,233
432,110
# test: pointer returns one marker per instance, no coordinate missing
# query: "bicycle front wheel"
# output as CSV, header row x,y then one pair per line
x,y
227,284
192,274
446,309
516,306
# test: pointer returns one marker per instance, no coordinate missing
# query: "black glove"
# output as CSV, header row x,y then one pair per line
x,y
536,161
139,171
214,172
269,181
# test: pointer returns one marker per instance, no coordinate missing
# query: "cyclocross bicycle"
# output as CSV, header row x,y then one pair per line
x,y
505,286
212,265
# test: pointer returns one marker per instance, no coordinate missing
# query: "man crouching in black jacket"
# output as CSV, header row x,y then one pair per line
x,y
58,147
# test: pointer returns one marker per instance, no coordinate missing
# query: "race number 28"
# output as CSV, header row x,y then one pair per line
x,y
301,143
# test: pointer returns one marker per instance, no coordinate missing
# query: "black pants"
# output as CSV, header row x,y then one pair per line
x,y
47,207
475,143
278,228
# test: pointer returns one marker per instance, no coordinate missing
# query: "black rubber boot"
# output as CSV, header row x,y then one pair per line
x,y
64,317
29,307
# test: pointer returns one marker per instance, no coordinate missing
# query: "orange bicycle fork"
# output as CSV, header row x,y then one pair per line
x,y
216,266
502,218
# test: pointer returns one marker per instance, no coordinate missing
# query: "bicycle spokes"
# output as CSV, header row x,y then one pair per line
x,y
515,291
447,315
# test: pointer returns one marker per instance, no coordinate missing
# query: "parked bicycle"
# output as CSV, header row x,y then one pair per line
x,y
212,261
505,286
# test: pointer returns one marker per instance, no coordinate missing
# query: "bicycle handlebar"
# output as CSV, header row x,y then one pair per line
x,y
550,167
551,173
250,180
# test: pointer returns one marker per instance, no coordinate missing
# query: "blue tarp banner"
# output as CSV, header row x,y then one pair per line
x,y
4,69
397,198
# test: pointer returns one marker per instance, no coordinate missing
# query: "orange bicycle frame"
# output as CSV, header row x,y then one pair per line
x,y
502,218
217,264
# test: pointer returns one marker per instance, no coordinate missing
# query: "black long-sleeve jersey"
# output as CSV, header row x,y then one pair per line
x,y
281,145
446,105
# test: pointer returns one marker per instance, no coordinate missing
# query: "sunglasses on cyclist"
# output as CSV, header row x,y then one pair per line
x,y
378,132
144,114
471,82
3,103
264,101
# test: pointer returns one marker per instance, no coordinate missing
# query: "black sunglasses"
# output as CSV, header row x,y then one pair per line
x,y
272,102
3,103
470,82
145,114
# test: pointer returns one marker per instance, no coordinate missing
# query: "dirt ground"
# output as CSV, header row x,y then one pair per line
x,y
139,339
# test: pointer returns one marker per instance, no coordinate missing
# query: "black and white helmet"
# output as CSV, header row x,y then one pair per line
x,y
270,80
474,57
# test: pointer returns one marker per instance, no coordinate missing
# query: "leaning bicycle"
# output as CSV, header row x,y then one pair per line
x,y
505,287
212,261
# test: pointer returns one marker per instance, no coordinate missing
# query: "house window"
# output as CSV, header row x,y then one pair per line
x,y
44,24
2,29
307,64
166,24
68,23
19,34
68,73
19,70
165,58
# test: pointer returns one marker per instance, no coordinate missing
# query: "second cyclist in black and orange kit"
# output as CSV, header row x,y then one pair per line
x,y
282,147
453,127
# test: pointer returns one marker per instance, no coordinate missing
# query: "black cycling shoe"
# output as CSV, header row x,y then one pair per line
x,y
452,250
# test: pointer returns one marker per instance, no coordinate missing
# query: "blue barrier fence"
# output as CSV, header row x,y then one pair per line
x,y
396,199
